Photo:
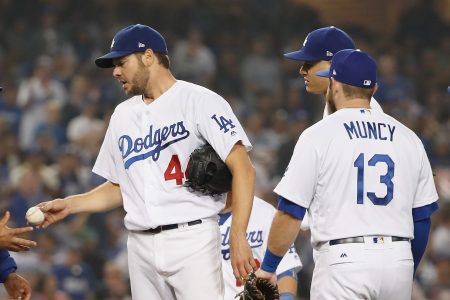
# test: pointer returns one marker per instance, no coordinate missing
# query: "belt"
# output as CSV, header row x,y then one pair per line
x,y
360,239
170,227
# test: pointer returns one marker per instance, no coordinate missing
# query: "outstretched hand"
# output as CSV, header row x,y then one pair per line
x,y
9,239
17,287
54,211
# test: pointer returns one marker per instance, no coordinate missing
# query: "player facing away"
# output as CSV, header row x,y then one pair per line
x,y
257,236
174,237
367,185
316,53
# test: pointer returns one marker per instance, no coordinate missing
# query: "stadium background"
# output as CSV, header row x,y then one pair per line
x,y
56,104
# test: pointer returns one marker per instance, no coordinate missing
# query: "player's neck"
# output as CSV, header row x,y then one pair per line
x,y
158,85
352,103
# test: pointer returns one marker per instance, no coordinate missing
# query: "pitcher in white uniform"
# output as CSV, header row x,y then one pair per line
x,y
174,239
367,184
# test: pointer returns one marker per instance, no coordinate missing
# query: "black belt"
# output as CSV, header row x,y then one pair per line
x,y
360,239
169,227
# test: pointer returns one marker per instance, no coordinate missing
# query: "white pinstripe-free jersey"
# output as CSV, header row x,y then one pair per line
x,y
146,151
359,172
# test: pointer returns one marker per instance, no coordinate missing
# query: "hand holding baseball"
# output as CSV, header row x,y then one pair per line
x,y
9,239
54,211
34,216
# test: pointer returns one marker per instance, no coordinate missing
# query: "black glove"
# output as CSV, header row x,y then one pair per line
x,y
207,173
258,289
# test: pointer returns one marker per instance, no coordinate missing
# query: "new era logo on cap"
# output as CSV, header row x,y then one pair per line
x,y
140,45
352,67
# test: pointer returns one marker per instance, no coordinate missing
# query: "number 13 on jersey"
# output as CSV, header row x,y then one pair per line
x,y
384,179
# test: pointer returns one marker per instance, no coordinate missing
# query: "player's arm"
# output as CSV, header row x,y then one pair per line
x,y
105,197
422,224
283,232
243,183
287,284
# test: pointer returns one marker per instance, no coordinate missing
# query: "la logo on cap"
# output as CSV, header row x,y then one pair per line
x,y
367,82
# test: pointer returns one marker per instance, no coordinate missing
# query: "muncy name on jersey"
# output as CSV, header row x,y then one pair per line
x,y
156,140
369,130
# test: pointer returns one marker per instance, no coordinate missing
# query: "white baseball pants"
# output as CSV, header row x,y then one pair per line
x,y
369,270
183,263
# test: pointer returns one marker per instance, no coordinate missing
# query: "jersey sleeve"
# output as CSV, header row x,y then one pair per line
x,y
219,126
299,180
426,190
105,164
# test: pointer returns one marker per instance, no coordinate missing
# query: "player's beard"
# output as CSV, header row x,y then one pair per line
x,y
330,99
139,82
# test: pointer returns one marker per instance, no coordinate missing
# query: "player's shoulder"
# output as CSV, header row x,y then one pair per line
x,y
405,129
196,90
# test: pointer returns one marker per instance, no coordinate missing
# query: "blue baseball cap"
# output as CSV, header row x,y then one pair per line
x,y
131,39
352,67
322,44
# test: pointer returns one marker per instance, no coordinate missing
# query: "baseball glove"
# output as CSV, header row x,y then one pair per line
x,y
207,173
258,289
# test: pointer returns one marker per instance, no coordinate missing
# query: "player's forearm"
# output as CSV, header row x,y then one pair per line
x,y
287,284
242,186
283,232
105,197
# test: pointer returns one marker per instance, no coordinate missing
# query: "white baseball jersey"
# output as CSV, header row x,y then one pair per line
x,y
146,151
374,105
257,236
359,172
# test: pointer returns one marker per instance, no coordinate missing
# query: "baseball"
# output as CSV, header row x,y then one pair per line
x,y
34,216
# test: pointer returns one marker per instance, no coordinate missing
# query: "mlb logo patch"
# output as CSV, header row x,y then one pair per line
x,y
367,82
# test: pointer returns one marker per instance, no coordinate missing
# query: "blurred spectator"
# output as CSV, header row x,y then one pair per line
x,y
75,277
86,131
33,96
392,87
193,61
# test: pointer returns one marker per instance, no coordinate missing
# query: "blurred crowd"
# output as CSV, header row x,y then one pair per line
x,y
56,105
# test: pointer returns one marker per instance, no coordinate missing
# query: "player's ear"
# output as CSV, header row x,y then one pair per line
x,y
375,89
149,57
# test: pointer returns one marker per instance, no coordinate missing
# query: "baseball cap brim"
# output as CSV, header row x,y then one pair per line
x,y
300,55
323,73
106,61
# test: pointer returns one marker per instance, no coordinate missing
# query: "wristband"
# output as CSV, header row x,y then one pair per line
x,y
270,261
287,296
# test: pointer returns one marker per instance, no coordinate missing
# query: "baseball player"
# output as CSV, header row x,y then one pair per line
x,y
257,235
16,286
174,239
316,53
367,184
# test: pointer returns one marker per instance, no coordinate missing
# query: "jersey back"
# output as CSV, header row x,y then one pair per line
x,y
359,172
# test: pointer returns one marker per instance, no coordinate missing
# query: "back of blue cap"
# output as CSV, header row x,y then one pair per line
x,y
322,44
